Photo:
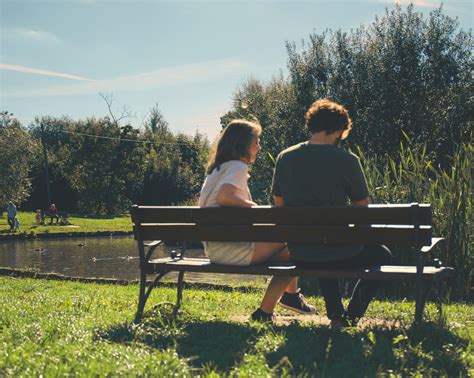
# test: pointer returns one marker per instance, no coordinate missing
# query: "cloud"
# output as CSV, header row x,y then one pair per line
x,y
416,3
32,35
142,81
35,71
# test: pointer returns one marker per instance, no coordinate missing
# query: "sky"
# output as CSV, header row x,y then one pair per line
x,y
186,57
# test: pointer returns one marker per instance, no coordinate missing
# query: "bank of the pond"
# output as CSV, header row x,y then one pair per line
x,y
53,328
60,235
28,273
80,226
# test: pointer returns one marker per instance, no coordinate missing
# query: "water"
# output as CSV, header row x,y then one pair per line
x,y
104,257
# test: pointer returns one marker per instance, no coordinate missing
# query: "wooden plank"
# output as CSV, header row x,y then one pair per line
x,y
391,235
373,214
386,272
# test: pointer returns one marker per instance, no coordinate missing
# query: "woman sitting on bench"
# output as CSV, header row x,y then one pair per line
x,y
226,184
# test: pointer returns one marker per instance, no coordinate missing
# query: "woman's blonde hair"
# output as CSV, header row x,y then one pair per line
x,y
233,143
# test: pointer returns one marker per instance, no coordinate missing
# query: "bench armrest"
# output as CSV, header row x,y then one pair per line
x,y
153,243
151,248
434,242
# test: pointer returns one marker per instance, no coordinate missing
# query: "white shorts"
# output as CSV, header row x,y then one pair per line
x,y
230,253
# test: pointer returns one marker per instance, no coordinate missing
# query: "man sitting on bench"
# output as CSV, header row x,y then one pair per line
x,y
319,173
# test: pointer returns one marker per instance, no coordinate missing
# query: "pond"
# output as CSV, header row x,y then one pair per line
x,y
102,257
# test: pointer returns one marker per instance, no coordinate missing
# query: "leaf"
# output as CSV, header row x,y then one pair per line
x,y
399,339
271,158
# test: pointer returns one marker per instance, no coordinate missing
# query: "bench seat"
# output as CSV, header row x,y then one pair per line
x,y
385,272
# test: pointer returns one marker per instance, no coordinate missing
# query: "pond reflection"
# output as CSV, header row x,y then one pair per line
x,y
104,257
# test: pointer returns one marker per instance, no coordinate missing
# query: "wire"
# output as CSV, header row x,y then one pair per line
x,y
122,139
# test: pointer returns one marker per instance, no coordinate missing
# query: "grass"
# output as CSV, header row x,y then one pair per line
x,y
55,328
77,224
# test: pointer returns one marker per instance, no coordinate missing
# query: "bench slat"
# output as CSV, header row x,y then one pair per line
x,y
373,214
283,233
386,272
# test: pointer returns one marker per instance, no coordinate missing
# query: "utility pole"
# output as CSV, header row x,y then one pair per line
x,y
45,158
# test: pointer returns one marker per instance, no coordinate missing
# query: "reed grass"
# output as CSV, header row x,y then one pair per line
x,y
413,177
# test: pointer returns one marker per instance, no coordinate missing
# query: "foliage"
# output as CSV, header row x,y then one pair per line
x,y
174,164
64,328
403,73
97,166
55,137
413,177
19,152
105,170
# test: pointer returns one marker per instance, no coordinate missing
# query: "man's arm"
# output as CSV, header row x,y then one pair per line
x,y
279,201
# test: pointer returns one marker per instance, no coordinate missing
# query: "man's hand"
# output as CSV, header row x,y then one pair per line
x,y
279,201
362,202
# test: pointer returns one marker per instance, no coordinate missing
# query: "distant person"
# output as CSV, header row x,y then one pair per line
x,y
38,217
11,214
53,214
226,185
319,173
17,224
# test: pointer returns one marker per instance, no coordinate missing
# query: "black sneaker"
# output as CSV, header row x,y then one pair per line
x,y
343,322
295,302
340,323
261,316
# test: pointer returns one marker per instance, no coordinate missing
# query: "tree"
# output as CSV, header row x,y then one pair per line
x,y
156,122
55,134
174,167
105,165
402,74
19,152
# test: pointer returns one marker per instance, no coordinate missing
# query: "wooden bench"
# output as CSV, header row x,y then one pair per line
x,y
407,226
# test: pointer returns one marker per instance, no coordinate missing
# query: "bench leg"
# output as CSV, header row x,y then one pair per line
x,y
420,291
421,301
141,297
145,294
180,293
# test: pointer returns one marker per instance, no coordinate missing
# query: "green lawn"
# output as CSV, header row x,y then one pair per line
x,y
78,224
53,328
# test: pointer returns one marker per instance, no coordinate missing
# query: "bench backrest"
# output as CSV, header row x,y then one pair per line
x,y
403,225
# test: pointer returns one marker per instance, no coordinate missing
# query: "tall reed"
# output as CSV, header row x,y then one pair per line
x,y
413,177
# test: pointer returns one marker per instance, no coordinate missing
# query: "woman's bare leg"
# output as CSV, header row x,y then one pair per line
x,y
278,285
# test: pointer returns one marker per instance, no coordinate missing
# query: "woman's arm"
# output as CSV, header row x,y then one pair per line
x,y
226,196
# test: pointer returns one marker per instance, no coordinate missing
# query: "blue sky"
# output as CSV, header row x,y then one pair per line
x,y
186,56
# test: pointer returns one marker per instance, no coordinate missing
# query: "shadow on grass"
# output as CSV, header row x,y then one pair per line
x,y
305,349
213,343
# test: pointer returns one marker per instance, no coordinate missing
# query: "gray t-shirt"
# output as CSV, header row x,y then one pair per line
x,y
319,175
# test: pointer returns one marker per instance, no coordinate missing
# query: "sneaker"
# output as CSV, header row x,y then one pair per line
x,y
261,316
340,323
295,302
343,322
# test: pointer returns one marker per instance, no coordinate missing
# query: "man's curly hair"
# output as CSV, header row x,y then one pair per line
x,y
329,116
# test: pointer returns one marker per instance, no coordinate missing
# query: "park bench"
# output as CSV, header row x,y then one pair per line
x,y
405,225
